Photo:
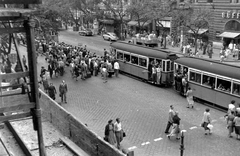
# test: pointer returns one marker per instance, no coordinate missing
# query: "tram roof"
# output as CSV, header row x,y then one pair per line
x,y
211,66
141,50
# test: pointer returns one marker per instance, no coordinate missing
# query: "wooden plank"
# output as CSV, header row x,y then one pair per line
x,y
11,30
20,1
14,75
19,140
17,107
72,146
12,117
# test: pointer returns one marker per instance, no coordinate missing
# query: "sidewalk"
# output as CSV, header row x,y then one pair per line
x,y
215,55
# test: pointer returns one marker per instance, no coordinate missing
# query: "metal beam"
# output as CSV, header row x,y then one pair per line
x,y
20,1
11,30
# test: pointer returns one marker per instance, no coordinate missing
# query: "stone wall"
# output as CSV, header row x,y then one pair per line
x,y
76,131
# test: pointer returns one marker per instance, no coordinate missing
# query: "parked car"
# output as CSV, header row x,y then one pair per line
x,y
110,36
85,32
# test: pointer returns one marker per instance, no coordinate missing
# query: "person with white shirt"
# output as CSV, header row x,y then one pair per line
x,y
118,132
116,68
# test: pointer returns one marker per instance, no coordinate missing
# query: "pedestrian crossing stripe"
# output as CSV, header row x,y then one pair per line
x,y
131,148
194,127
158,139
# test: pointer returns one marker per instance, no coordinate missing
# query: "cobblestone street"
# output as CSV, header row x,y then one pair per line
x,y
143,109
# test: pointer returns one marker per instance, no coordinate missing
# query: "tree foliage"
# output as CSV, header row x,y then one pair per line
x,y
194,19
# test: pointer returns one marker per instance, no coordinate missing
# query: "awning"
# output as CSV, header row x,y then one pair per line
x,y
229,35
135,23
200,31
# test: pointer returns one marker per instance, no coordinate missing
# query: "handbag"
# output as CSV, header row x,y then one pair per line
x,y
124,134
210,126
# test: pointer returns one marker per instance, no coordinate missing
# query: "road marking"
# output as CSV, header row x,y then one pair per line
x,y
158,139
131,148
147,143
194,127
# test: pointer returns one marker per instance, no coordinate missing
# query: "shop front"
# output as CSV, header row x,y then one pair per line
x,y
231,33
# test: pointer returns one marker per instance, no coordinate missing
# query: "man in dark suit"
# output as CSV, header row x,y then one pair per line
x,y
63,91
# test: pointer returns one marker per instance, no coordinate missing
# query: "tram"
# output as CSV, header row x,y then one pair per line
x,y
211,81
139,61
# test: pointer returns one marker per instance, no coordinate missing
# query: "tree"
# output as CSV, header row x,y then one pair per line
x,y
116,10
159,10
194,20
140,11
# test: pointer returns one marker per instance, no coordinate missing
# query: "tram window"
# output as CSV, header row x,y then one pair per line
x,y
195,77
223,85
168,65
127,57
119,56
134,60
172,66
209,81
142,62
236,88
163,66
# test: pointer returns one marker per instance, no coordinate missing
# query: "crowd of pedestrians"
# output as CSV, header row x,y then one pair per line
x,y
81,62
232,120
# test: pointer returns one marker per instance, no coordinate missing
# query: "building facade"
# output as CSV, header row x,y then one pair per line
x,y
224,26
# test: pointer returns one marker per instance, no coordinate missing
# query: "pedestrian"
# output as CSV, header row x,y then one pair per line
x,y
118,132
206,121
52,91
238,109
24,60
230,119
175,127
116,68
104,73
109,133
50,69
170,118
42,72
45,83
210,50
236,122
63,91
159,73
189,96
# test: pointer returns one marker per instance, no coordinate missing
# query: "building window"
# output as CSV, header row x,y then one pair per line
x,y
232,25
235,1
209,1
181,1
